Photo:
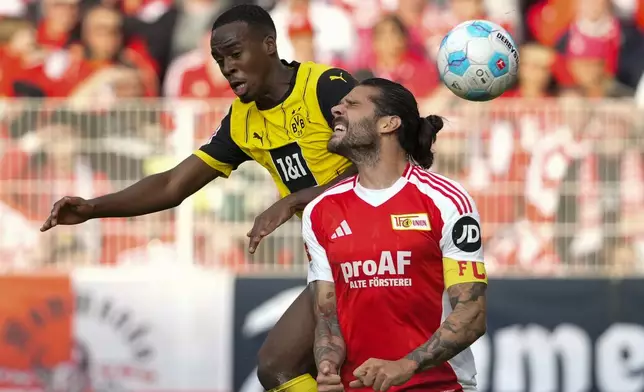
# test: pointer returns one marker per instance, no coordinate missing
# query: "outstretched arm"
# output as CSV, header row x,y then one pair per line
x,y
462,327
157,192
217,158
329,348
154,193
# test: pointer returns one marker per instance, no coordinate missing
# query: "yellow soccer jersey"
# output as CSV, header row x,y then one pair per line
x,y
290,139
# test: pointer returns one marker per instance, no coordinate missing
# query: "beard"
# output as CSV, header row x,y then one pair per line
x,y
360,144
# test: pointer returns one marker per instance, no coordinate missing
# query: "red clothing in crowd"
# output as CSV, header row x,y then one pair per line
x,y
19,78
189,76
80,69
50,41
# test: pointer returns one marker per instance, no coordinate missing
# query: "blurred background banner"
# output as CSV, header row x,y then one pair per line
x,y
186,329
543,335
36,319
118,330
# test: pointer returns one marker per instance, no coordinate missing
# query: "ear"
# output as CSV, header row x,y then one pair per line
x,y
270,46
388,124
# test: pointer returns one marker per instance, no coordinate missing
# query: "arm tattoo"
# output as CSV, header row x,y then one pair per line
x,y
462,327
329,343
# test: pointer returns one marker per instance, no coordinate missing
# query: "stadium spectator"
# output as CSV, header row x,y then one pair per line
x,y
59,19
438,21
335,35
22,61
594,33
394,59
302,36
535,73
588,64
196,75
547,20
194,17
102,46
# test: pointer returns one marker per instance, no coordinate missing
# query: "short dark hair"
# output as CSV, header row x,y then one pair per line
x,y
416,134
253,15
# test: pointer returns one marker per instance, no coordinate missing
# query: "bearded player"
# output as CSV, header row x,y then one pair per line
x,y
281,120
398,297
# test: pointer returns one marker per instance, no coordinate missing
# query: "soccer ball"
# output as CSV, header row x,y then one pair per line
x,y
478,60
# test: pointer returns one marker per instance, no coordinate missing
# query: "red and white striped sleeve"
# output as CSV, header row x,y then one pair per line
x,y
461,233
319,267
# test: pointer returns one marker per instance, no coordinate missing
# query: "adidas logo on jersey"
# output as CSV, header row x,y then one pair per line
x,y
410,222
342,230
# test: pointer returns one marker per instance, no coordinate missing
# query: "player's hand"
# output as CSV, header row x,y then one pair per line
x,y
68,211
382,375
269,220
328,379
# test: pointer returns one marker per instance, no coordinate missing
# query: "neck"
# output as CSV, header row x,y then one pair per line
x,y
278,83
385,171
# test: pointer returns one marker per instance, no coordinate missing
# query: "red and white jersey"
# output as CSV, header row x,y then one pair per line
x,y
392,254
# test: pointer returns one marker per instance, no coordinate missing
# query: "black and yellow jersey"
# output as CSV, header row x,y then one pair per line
x,y
290,139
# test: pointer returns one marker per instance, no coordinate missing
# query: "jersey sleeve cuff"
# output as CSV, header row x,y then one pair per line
x,y
319,278
456,272
224,168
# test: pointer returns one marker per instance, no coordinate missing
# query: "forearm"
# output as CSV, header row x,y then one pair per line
x,y
144,197
463,326
305,196
329,343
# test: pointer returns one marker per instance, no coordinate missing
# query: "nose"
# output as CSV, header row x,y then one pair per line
x,y
337,110
228,68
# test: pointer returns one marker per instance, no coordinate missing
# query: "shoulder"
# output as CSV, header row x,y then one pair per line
x,y
329,86
332,77
318,204
449,196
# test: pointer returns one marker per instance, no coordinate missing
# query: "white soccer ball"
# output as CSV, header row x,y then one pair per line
x,y
478,60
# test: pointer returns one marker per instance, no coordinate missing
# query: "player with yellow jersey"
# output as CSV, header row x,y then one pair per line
x,y
288,139
281,119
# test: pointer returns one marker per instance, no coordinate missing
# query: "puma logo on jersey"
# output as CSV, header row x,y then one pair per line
x,y
336,77
256,136
419,222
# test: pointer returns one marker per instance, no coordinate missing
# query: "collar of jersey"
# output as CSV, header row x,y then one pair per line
x,y
378,197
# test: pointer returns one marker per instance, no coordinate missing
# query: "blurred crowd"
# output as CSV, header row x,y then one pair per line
x,y
556,165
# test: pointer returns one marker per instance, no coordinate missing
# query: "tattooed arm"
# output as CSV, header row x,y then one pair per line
x,y
462,327
329,348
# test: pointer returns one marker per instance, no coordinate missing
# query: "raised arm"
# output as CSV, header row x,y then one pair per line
x,y
329,348
219,157
460,329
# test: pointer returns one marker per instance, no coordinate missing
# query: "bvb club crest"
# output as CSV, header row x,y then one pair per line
x,y
297,124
